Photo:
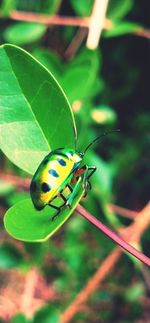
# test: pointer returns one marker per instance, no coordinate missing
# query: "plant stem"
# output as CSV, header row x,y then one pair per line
x,y
122,211
55,20
112,235
96,24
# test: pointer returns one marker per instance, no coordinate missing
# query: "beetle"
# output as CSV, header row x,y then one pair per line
x,y
58,170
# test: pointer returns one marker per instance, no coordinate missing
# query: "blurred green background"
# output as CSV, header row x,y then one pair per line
x,y
108,88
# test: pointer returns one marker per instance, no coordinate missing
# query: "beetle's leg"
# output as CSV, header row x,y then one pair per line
x,y
85,180
73,193
64,199
93,169
58,208
86,183
70,188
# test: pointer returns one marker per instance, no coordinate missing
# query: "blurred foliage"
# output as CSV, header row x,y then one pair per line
x,y
108,88
24,33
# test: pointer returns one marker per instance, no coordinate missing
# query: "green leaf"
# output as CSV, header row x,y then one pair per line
x,y
35,114
9,256
82,8
47,314
7,6
134,292
19,318
23,33
16,197
40,6
80,76
102,179
49,6
118,9
50,60
25,223
122,28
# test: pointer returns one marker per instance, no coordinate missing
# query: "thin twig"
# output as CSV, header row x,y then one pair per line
x,y
96,23
140,224
49,20
55,20
112,235
20,182
143,33
75,43
29,291
122,211
104,269
65,21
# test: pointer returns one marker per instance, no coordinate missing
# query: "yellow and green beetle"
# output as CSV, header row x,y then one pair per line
x,y
58,170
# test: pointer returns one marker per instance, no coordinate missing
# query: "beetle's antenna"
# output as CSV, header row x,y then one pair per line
x,y
99,137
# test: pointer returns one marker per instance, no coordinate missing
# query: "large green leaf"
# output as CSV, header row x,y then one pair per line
x,y
23,222
35,116
23,33
50,60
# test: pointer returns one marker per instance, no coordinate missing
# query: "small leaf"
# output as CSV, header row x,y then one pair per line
x,y
49,6
82,8
35,114
9,256
134,292
23,33
16,197
79,78
40,6
122,28
25,223
19,318
47,314
118,9
7,6
102,179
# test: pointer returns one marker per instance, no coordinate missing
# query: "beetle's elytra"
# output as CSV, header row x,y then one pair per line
x,y
56,172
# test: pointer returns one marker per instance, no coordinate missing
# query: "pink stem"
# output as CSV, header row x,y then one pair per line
x,y
112,235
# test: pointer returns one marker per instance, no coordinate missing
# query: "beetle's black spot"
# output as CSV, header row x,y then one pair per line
x,y
61,161
33,186
53,173
45,187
